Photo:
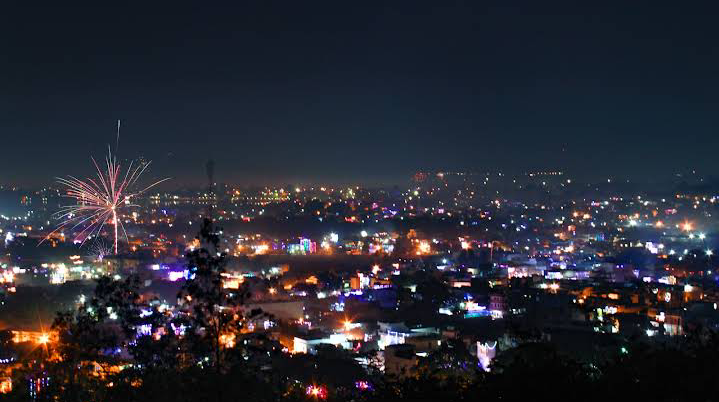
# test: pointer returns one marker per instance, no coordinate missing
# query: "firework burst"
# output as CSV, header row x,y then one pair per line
x,y
99,200
99,250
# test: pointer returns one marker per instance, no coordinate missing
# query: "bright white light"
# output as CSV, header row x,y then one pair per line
x,y
709,252
363,233
702,236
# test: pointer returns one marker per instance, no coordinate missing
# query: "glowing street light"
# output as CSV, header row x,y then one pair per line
x,y
317,391
43,339
710,253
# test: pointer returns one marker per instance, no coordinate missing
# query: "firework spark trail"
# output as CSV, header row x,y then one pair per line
x,y
98,200
99,250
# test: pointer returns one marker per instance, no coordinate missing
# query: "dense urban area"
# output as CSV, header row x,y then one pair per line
x,y
453,286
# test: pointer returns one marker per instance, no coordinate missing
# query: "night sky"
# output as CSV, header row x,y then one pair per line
x,y
304,91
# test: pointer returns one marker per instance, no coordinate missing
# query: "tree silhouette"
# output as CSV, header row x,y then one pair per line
x,y
91,339
209,308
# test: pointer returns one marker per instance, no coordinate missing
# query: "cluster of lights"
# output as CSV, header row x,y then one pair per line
x,y
363,385
317,391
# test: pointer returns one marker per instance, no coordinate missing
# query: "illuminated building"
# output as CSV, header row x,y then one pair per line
x,y
399,360
5,385
308,343
359,281
38,337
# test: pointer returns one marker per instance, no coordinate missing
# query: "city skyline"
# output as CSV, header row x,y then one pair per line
x,y
374,201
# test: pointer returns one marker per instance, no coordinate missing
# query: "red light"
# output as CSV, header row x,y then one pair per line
x,y
317,391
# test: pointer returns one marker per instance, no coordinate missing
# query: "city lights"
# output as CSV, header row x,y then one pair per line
x,y
317,391
371,201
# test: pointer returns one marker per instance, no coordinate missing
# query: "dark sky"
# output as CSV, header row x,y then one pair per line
x,y
305,91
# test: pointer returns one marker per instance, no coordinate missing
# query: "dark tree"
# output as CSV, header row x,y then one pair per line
x,y
212,312
91,339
